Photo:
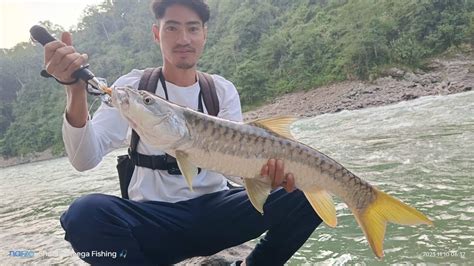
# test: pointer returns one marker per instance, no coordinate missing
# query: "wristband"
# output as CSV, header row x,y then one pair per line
x,y
45,74
67,83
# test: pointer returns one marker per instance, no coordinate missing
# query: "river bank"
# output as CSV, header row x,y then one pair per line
x,y
30,158
440,77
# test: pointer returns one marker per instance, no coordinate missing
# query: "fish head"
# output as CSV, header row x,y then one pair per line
x,y
158,122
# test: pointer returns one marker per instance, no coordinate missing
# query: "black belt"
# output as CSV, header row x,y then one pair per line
x,y
156,162
161,162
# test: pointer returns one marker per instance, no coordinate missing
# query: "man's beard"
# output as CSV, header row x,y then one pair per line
x,y
185,65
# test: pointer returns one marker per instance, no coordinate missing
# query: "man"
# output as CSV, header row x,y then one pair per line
x,y
164,222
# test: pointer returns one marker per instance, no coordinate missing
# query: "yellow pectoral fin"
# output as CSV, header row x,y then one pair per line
x,y
187,168
323,205
385,208
258,192
279,125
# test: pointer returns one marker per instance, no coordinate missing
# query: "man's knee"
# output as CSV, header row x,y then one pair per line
x,y
305,209
83,214
292,205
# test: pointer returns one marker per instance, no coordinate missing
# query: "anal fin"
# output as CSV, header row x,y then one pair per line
x,y
322,203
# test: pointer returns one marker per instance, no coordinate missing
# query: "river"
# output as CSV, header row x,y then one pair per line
x,y
420,151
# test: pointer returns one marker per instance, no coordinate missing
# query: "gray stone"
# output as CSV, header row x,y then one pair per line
x,y
223,258
394,72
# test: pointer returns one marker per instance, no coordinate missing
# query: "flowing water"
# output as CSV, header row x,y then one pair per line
x,y
421,151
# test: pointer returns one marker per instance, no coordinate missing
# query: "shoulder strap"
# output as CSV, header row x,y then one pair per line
x,y
148,82
209,94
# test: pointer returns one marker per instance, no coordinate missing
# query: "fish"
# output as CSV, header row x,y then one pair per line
x,y
241,149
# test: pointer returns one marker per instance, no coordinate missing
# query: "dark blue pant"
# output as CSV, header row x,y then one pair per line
x,y
162,233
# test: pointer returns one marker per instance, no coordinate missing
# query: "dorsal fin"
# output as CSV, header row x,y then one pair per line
x,y
279,125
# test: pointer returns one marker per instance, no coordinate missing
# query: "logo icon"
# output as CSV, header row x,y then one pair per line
x,y
123,254
22,253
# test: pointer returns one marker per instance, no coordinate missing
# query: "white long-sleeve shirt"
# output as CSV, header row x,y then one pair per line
x,y
107,130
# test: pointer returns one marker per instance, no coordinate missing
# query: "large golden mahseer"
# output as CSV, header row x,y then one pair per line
x,y
241,149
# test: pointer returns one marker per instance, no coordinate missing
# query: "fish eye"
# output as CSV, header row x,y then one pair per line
x,y
148,100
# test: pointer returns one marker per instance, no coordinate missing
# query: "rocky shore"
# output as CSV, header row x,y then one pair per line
x,y
439,77
30,158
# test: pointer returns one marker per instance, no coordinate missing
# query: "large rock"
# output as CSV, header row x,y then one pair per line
x,y
394,72
223,258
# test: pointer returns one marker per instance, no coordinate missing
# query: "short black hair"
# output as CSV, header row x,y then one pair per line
x,y
199,6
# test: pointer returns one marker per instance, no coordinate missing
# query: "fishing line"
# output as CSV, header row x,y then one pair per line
x,y
84,131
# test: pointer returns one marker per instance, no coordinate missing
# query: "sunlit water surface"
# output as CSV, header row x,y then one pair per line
x,y
421,151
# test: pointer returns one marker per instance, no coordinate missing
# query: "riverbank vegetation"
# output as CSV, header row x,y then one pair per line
x,y
266,47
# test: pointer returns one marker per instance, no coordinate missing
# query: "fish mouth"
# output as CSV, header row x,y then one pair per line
x,y
121,97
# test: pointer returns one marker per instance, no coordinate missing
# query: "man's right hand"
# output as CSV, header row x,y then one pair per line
x,y
61,60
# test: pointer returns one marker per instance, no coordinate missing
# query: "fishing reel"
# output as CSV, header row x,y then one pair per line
x,y
95,86
92,88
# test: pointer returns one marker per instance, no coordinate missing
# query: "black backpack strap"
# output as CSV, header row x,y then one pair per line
x,y
148,82
209,94
149,79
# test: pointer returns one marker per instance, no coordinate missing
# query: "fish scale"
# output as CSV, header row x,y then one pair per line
x,y
256,145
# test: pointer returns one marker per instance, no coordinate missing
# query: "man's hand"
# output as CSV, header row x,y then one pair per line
x,y
61,59
275,170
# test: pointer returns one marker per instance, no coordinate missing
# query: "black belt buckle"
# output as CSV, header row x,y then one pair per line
x,y
172,165
174,171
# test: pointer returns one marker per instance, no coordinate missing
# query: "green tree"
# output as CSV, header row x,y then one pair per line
x,y
266,47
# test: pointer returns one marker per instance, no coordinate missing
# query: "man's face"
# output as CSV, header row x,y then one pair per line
x,y
181,36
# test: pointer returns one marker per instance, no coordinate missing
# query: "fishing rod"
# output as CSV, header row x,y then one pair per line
x,y
95,87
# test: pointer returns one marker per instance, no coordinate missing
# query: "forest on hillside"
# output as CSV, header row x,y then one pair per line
x,y
265,47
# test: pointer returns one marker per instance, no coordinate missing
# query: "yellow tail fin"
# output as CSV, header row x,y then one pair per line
x,y
383,209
